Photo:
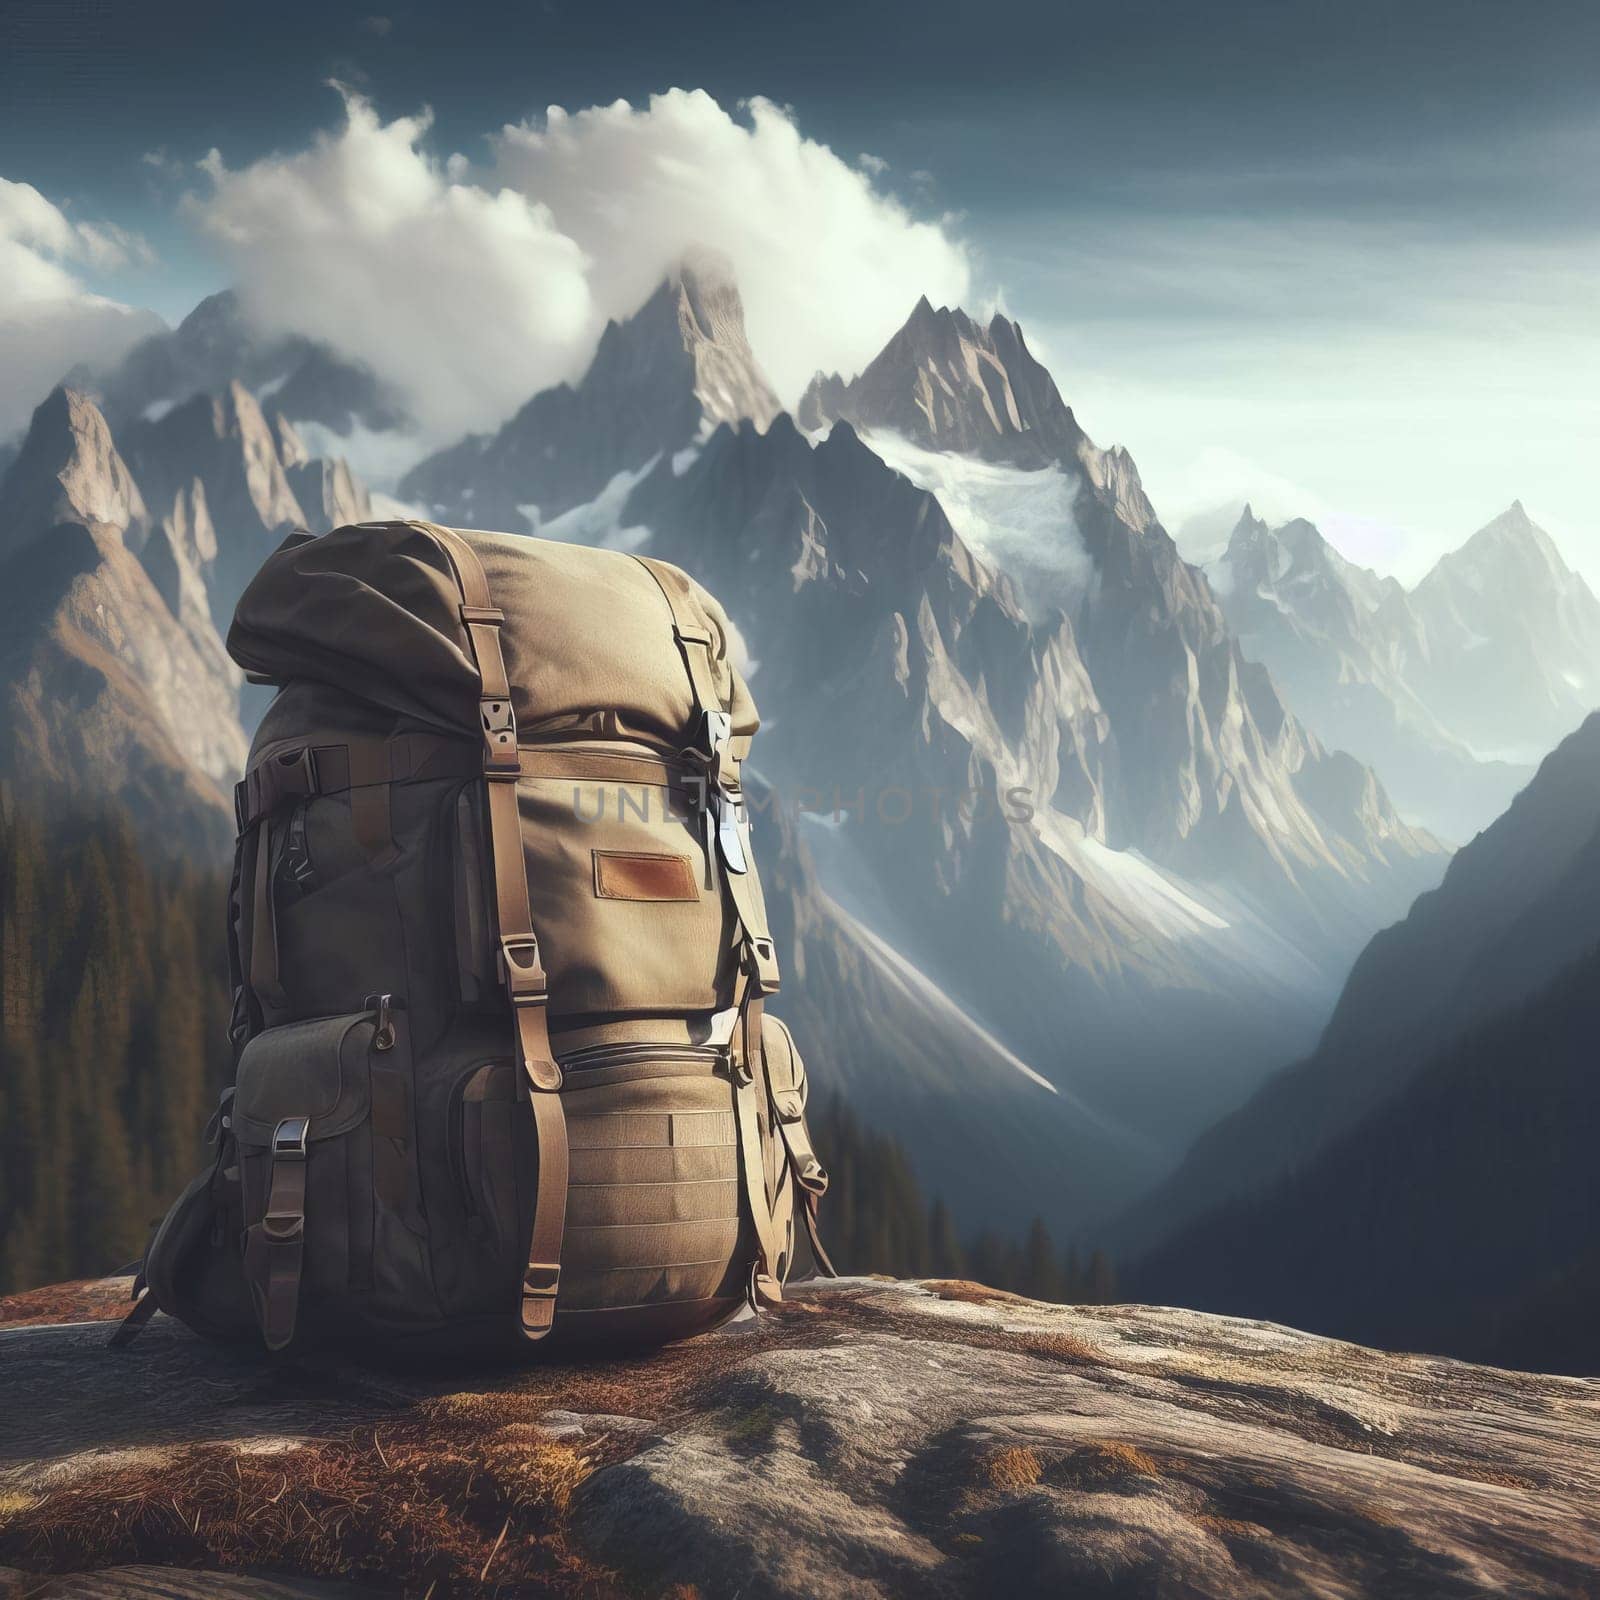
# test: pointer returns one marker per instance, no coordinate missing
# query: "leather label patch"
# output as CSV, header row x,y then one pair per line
x,y
626,875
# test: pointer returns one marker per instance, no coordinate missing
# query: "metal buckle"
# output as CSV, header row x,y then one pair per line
x,y
731,830
289,1139
522,971
500,758
716,728
541,1280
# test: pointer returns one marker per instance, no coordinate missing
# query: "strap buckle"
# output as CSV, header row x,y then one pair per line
x,y
711,737
522,971
541,1280
500,758
761,966
289,1139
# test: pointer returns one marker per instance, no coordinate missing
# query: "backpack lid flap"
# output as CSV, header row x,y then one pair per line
x,y
373,610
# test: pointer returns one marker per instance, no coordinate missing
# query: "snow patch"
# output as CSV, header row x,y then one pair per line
x,y
599,521
1019,519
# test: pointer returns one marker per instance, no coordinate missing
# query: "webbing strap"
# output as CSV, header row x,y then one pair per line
x,y
144,1308
521,968
749,1079
810,1177
301,772
264,975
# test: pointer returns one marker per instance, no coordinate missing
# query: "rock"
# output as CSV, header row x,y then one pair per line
x,y
867,1439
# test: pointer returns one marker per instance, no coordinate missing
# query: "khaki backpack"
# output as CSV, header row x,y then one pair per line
x,y
501,964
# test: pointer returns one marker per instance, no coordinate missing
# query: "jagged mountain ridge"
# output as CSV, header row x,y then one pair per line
x,y
111,692
1220,750
658,382
119,576
258,479
1356,658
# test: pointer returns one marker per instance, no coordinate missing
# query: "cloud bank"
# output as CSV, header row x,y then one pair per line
x,y
49,321
470,287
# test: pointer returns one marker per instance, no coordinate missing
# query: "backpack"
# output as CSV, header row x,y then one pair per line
x,y
504,1071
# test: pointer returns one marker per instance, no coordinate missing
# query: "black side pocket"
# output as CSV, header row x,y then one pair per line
x,y
192,1265
333,1233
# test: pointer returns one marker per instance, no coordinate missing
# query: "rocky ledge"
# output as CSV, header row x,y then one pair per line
x,y
869,1439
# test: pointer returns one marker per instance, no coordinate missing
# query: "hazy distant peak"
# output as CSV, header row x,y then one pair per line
x,y
1514,533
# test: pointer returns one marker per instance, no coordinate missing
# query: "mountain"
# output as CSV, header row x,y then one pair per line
x,y
1097,837
659,382
217,345
1457,1216
123,557
1214,776
1515,663
256,476
1518,907
110,690
1352,653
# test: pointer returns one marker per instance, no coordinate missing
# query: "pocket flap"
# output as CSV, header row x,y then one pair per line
x,y
317,1069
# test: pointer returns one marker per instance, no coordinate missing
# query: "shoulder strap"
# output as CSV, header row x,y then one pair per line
x,y
521,968
727,837
728,828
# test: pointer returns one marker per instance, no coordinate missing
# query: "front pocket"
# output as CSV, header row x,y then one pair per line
x,y
654,1212
333,1230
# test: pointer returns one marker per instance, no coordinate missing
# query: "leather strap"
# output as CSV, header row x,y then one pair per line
x,y
521,967
603,766
274,1247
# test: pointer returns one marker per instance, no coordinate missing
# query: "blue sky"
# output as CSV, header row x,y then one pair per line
x,y
1340,259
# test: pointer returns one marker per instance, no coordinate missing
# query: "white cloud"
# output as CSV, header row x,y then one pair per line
x,y
828,265
471,287
49,320
467,298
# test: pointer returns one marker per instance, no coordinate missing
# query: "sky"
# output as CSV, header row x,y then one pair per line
x,y
1338,260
